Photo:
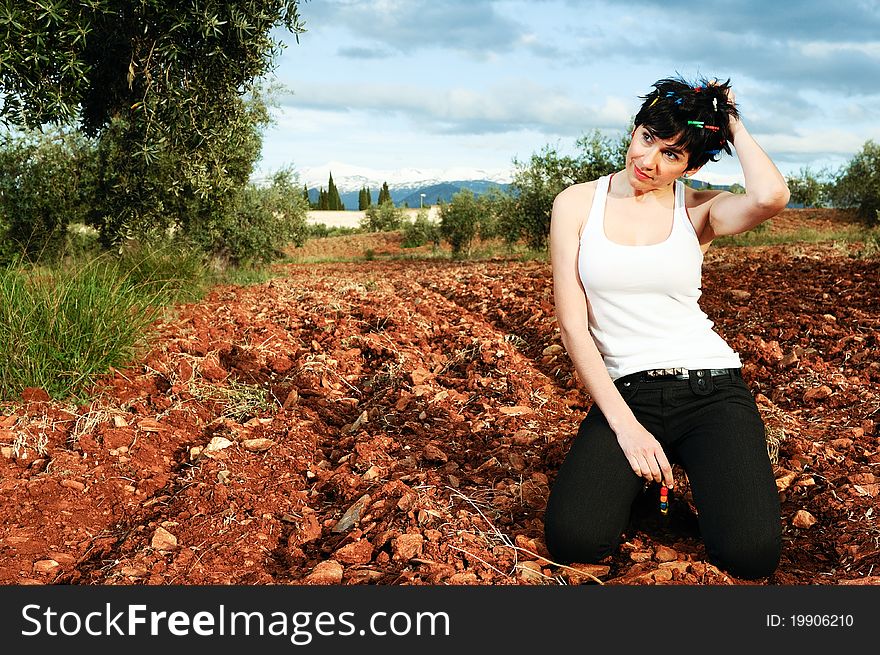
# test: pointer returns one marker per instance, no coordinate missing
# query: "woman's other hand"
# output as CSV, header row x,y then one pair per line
x,y
645,454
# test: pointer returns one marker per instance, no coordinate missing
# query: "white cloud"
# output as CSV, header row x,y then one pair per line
x,y
502,107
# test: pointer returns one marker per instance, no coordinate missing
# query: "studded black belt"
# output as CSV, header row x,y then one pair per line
x,y
681,373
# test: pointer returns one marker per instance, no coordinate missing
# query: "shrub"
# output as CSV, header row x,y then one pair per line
x,y
420,231
257,227
44,186
382,218
459,221
858,185
537,182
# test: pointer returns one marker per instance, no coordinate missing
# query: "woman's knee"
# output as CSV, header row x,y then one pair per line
x,y
567,544
757,559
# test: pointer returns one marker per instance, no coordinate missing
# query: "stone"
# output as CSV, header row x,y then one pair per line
x,y
803,519
529,572
163,540
433,454
46,567
257,445
357,552
585,572
524,437
35,395
215,447
73,484
516,410
150,425
665,554
211,370
817,393
553,349
869,580
292,399
420,375
785,479
352,515
328,572
408,546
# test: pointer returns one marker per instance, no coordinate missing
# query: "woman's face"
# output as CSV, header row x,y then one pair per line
x,y
653,163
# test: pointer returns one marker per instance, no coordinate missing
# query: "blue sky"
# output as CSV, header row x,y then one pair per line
x,y
392,84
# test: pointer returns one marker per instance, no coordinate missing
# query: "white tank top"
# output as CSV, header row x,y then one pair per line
x,y
644,310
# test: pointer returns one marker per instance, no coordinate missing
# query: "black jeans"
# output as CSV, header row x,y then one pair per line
x,y
713,430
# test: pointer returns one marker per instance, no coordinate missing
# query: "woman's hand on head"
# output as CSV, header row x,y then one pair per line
x,y
733,122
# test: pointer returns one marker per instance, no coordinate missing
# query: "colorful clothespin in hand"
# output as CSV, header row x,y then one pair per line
x,y
664,499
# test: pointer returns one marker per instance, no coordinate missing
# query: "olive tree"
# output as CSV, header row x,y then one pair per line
x,y
537,182
163,87
858,184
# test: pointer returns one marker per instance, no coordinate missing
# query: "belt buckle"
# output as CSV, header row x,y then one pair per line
x,y
665,372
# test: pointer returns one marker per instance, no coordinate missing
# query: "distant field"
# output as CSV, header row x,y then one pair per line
x,y
353,218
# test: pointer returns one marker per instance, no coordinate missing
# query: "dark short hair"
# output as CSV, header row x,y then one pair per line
x,y
667,110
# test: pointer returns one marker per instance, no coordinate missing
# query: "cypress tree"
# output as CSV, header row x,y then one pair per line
x,y
323,200
369,197
384,194
306,195
334,202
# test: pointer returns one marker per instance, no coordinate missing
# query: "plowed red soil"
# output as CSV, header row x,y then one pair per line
x,y
400,422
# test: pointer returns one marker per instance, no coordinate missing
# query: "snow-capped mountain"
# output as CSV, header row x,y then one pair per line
x,y
348,178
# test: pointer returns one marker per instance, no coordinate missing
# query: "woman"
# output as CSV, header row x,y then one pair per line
x,y
626,252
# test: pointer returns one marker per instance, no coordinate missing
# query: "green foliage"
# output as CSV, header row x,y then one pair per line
x,y
334,202
737,189
808,188
60,329
537,182
384,194
420,231
321,231
364,199
161,84
460,221
858,184
166,273
382,218
257,227
45,181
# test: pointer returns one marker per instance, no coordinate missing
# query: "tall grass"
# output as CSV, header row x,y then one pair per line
x,y
62,328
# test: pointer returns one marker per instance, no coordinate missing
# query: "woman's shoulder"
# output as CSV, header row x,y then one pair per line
x,y
575,197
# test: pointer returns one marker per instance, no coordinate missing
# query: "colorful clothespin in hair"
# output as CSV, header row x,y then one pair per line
x,y
697,89
714,128
654,102
664,499
697,123
712,153
715,104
